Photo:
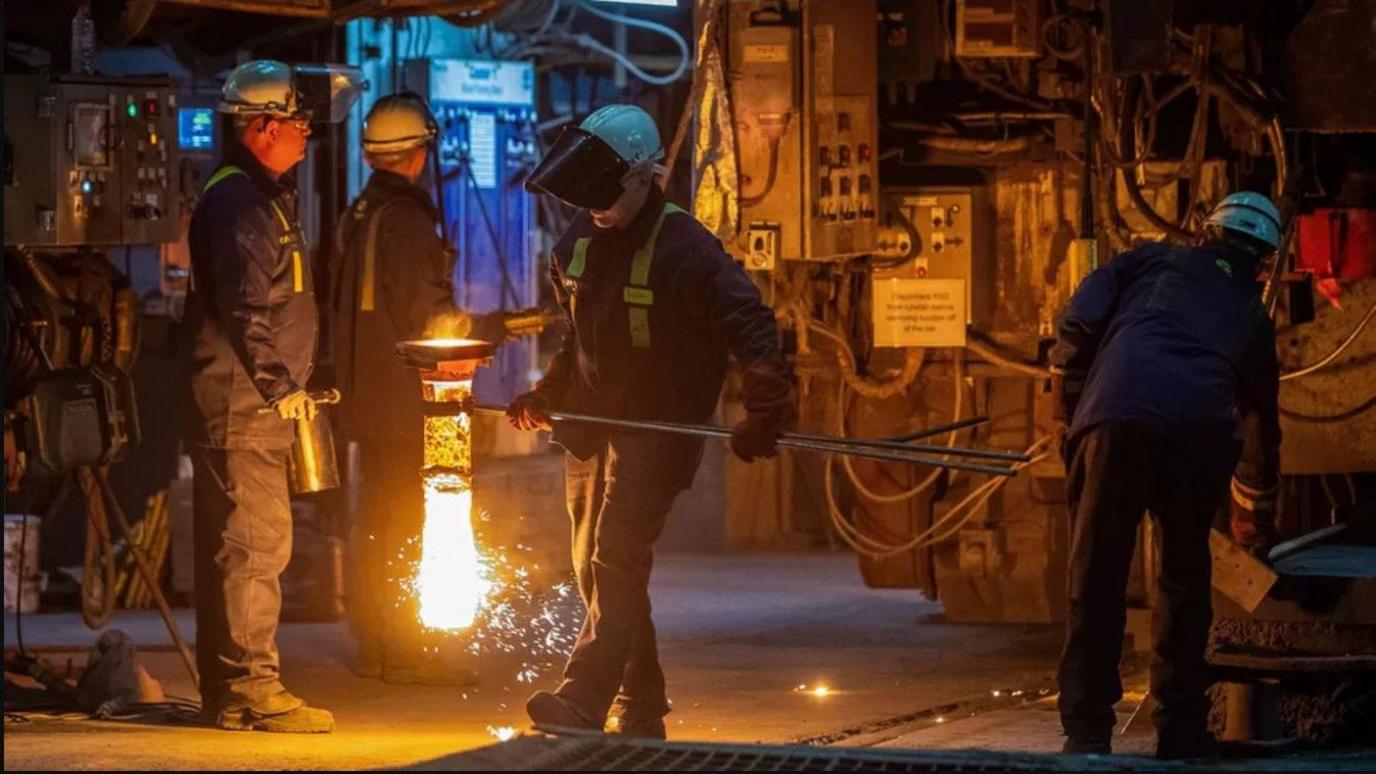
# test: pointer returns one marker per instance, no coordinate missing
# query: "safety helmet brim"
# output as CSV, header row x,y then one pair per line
x,y
580,169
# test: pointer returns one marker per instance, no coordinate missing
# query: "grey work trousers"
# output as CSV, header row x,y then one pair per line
x,y
618,502
242,544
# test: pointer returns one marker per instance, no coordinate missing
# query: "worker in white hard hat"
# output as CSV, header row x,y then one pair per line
x,y
251,319
1165,362
654,308
391,282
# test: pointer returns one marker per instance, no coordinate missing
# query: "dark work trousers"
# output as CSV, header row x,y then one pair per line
x,y
386,540
1117,471
618,501
242,540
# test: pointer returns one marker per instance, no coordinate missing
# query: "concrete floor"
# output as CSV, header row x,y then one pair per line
x,y
738,634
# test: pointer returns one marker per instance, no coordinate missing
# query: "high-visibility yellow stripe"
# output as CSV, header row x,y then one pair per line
x,y
579,262
298,281
640,326
221,174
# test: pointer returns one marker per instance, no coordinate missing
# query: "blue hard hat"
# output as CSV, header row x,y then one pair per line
x,y
1250,213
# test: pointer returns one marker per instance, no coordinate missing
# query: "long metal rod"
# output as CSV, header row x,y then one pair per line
x,y
141,563
903,445
708,431
939,429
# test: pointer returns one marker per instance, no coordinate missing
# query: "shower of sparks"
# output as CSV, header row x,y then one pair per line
x,y
490,595
503,733
820,691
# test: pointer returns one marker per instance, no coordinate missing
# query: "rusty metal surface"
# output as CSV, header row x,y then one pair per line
x,y
1310,447
1327,77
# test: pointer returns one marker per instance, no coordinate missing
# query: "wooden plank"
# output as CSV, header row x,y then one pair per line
x,y
1237,574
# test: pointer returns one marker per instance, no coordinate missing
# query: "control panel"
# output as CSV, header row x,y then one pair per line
x,y
806,130
944,229
93,161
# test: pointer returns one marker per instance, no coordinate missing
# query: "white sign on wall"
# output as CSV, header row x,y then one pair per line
x,y
919,313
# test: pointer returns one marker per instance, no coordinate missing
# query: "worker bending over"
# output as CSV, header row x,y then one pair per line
x,y
1166,367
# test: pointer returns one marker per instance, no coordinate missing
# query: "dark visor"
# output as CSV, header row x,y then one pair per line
x,y
581,169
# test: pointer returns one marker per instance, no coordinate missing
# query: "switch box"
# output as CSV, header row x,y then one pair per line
x,y
952,229
805,113
762,246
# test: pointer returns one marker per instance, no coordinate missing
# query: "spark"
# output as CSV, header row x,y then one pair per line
x,y
821,691
503,733
940,719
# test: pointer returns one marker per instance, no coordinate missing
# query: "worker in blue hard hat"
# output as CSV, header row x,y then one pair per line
x,y
1166,373
655,307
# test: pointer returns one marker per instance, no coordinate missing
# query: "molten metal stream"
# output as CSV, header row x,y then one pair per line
x,y
452,579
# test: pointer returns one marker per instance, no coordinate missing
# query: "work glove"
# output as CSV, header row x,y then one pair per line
x,y
769,412
1251,518
296,404
1066,386
530,411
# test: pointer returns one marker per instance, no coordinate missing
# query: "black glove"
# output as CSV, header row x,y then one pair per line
x,y
530,411
769,412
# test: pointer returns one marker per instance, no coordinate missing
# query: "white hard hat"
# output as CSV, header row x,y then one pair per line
x,y
396,123
261,87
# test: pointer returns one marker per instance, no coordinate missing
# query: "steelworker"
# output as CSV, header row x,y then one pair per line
x,y
1166,366
391,282
251,318
654,307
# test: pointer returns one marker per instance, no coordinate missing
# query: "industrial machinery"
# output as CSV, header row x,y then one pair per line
x,y
95,161
975,198
486,114
806,130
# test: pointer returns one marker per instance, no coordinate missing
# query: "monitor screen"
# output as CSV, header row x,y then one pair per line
x,y
196,128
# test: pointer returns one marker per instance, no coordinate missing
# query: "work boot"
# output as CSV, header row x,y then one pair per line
x,y
1200,745
632,727
299,720
550,710
1097,746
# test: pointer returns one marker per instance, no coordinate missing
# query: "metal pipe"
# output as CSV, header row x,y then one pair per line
x,y
897,445
836,446
939,429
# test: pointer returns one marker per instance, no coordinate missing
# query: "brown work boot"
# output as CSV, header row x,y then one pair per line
x,y
552,711
632,727
281,713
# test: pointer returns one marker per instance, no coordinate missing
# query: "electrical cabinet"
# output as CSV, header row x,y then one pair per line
x,y
951,229
90,161
804,107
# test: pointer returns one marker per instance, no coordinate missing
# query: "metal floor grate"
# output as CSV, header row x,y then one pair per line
x,y
603,753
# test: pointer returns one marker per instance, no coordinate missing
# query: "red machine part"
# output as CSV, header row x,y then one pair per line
x,y
1338,243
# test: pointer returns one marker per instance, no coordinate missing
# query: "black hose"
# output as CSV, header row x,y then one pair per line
x,y
751,201
1130,178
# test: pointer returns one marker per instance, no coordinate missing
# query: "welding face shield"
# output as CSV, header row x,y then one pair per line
x,y
581,169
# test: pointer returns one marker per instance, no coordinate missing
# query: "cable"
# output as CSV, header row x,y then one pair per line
x,y
754,199
654,80
987,352
1319,419
1331,356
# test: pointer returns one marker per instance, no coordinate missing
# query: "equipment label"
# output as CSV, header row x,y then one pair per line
x,y
766,52
919,313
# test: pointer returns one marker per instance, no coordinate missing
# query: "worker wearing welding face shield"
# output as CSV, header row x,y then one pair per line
x,y
251,322
1167,376
391,281
654,308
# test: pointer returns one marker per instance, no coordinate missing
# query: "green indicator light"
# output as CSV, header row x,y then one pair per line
x,y
132,110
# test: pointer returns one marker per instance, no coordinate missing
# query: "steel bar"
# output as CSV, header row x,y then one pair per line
x,y
939,429
142,564
904,445
708,431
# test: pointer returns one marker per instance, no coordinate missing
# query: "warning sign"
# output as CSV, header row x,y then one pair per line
x,y
919,313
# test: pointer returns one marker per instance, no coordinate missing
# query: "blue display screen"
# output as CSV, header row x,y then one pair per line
x,y
196,128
